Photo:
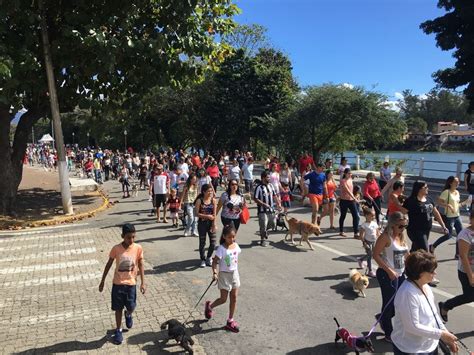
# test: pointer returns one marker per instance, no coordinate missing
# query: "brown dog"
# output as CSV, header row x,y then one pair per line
x,y
359,282
305,229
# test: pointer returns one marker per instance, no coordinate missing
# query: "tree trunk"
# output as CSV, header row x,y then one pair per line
x,y
12,156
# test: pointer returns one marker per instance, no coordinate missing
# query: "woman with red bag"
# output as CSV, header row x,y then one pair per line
x,y
232,203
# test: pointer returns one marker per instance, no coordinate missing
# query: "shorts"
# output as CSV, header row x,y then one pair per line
x,y
329,200
124,296
285,204
313,198
228,280
248,185
160,200
173,214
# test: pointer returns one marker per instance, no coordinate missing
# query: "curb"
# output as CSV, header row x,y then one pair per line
x,y
106,203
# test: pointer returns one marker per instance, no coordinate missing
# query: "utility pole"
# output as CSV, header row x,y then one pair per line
x,y
62,164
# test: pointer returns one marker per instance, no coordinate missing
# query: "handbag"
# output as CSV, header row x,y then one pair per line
x,y
244,215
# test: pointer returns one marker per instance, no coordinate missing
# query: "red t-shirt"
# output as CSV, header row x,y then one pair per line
x,y
196,161
371,189
213,171
304,162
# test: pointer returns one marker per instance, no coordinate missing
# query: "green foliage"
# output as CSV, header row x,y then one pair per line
x,y
333,118
107,50
454,31
438,105
236,107
250,38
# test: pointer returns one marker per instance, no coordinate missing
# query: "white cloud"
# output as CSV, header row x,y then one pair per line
x,y
398,95
347,85
423,96
392,105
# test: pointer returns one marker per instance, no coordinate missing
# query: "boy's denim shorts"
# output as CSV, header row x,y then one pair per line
x,y
124,296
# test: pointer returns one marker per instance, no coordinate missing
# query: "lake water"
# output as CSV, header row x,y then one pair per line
x,y
436,164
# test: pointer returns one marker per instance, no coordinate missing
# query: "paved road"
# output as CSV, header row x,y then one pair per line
x,y
289,294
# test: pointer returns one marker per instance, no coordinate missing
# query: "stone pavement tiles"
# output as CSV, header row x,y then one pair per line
x,y
50,301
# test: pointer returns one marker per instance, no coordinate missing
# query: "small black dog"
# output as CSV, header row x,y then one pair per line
x,y
178,332
356,343
280,222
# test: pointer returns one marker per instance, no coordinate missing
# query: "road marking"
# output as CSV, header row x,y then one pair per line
x,y
31,268
41,237
53,280
62,317
340,253
44,245
40,229
50,254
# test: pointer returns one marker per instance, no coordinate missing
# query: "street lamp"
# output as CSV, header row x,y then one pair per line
x,y
125,136
73,134
88,139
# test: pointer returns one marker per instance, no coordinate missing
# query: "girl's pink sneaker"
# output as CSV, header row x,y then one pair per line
x,y
232,326
208,310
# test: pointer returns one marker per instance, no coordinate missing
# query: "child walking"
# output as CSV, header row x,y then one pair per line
x,y
228,280
129,261
285,197
173,207
369,232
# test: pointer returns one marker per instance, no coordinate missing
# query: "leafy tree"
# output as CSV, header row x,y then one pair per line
x,y
333,118
104,51
416,125
454,30
232,108
438,105
250,38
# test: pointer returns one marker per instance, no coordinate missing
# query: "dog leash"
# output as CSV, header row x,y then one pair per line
x,y
465,347
200,299
377,321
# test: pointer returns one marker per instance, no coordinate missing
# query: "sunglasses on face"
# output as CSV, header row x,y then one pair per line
x,y
402,226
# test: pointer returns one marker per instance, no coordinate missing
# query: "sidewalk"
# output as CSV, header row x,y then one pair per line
x,y
39,199
50,300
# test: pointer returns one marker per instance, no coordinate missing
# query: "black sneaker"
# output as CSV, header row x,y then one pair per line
x,y
128,320
443,312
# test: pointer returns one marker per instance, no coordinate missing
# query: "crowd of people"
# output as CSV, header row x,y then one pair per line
x,y
193,188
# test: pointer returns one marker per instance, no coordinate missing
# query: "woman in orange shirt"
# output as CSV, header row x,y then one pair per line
x,y
394,203
329,202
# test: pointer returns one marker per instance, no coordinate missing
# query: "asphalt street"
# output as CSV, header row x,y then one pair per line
x,y
289,294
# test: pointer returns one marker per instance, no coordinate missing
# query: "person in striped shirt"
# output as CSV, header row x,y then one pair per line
x,y
265,197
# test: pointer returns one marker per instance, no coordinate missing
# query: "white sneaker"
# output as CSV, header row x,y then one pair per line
x,y
203,263
186,234
196,234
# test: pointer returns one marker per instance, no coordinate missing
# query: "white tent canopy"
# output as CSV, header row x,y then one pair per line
x,y
46,139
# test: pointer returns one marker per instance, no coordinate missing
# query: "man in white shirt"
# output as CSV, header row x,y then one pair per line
x,y
247,176
161,188
234,171
183,166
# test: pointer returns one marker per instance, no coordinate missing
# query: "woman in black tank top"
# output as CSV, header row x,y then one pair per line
x,y
206,211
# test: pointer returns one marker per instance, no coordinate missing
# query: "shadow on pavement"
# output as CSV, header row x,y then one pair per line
x,y
68,346
159,340
345,289
185,265
381,347
290,247
328,277
197,328
348,258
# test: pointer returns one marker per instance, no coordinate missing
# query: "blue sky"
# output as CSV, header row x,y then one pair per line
x,y
361,42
